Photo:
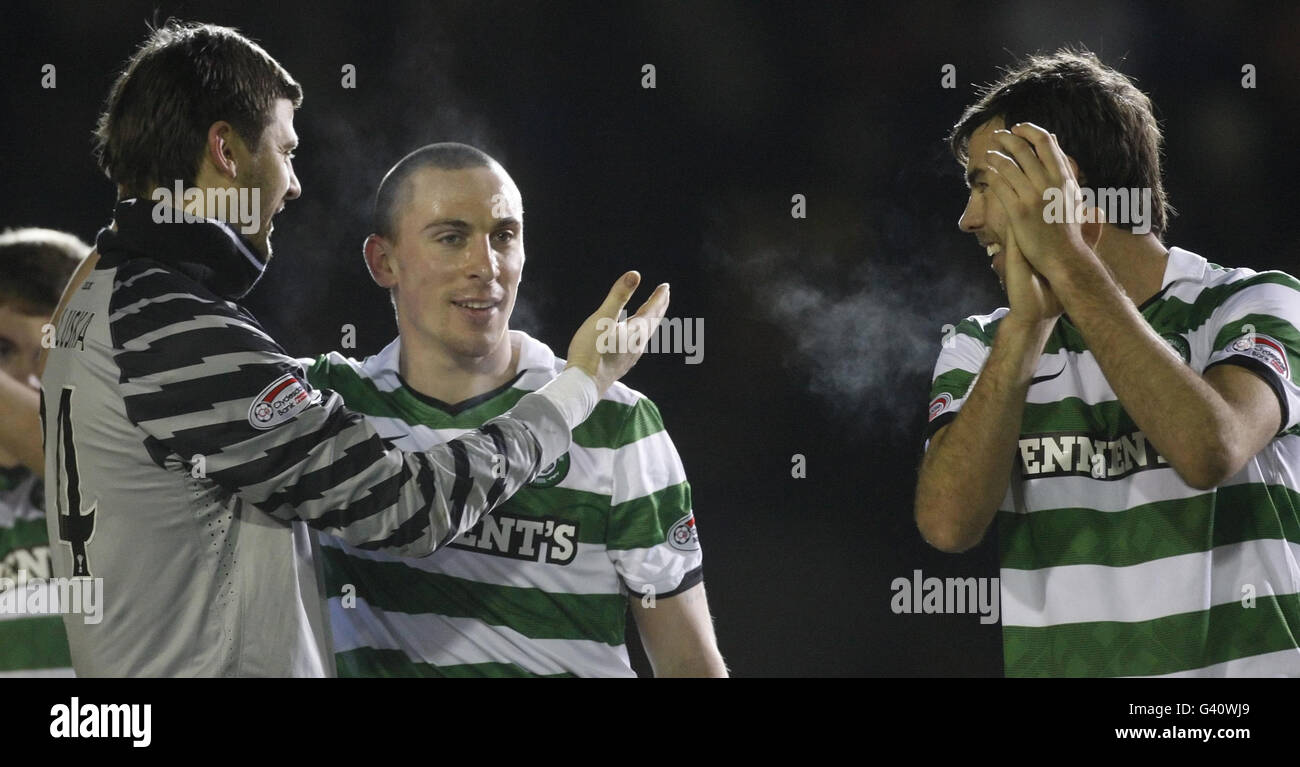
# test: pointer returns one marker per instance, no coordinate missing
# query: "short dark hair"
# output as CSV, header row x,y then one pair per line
x,y
183,78
35,266
1099,116
393,188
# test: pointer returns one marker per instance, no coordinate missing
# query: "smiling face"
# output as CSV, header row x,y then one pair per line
x,y
270,170
455,260
984,216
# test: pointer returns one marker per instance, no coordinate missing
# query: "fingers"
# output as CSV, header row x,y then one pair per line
x,y
655,306
619,295
642,325
1049,152
1025,156
1001,188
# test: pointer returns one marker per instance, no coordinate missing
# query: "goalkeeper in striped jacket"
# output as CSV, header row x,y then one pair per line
x,y
543,586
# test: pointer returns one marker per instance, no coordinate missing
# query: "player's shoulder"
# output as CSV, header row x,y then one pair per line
x,y
149,295
1198,280
140,275
334,369
623,415
979,327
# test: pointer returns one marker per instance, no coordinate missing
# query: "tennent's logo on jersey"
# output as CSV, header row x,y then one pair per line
x,y
683,536
1078,454
549,540
1266,349
282,400
20,564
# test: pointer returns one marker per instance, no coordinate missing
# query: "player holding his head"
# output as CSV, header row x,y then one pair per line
x,y
543,586
185,451
1132,419
35,264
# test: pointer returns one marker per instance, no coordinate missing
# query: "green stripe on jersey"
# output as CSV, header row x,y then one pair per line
x,y
1165,645
370,662
34,643
363,396
955,382
1078,536
394,587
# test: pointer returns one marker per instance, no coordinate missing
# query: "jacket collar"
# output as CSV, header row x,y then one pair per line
x,y
209,251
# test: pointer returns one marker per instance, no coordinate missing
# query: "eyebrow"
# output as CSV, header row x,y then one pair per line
x,y
455,223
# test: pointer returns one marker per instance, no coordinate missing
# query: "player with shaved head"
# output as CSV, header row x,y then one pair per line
x,y
543,586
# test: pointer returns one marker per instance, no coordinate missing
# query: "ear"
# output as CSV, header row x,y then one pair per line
x,y
377,252
219,151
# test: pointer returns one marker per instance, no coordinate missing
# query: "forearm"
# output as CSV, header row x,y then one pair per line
x,y
706,662
20,423
1178,411
964,475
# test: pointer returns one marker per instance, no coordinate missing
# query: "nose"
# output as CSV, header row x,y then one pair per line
x,y
295,188
481,259
972,218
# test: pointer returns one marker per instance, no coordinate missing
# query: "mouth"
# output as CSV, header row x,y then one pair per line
x,y
996,259
477,309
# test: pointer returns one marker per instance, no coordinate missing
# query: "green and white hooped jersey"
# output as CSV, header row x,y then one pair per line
x,y
1111,564
32,639
541,586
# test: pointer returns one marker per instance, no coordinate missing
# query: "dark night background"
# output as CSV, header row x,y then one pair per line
x,y
820,333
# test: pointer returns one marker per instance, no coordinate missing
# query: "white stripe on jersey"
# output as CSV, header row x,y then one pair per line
x,y
1146,591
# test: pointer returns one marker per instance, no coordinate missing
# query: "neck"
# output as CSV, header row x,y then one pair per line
x,y
1137,262
433,370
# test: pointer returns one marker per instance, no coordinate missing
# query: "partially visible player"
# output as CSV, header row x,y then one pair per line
x,y
1132,419
35,265
542,587
185,452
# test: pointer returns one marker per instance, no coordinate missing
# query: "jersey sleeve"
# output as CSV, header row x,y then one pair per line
x,y
1256,328
962,355
651,537
210,388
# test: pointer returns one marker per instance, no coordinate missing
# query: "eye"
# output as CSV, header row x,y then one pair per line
x,y
451,239
7,348
505,235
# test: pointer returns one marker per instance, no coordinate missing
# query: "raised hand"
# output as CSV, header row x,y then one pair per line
x,y
607,347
